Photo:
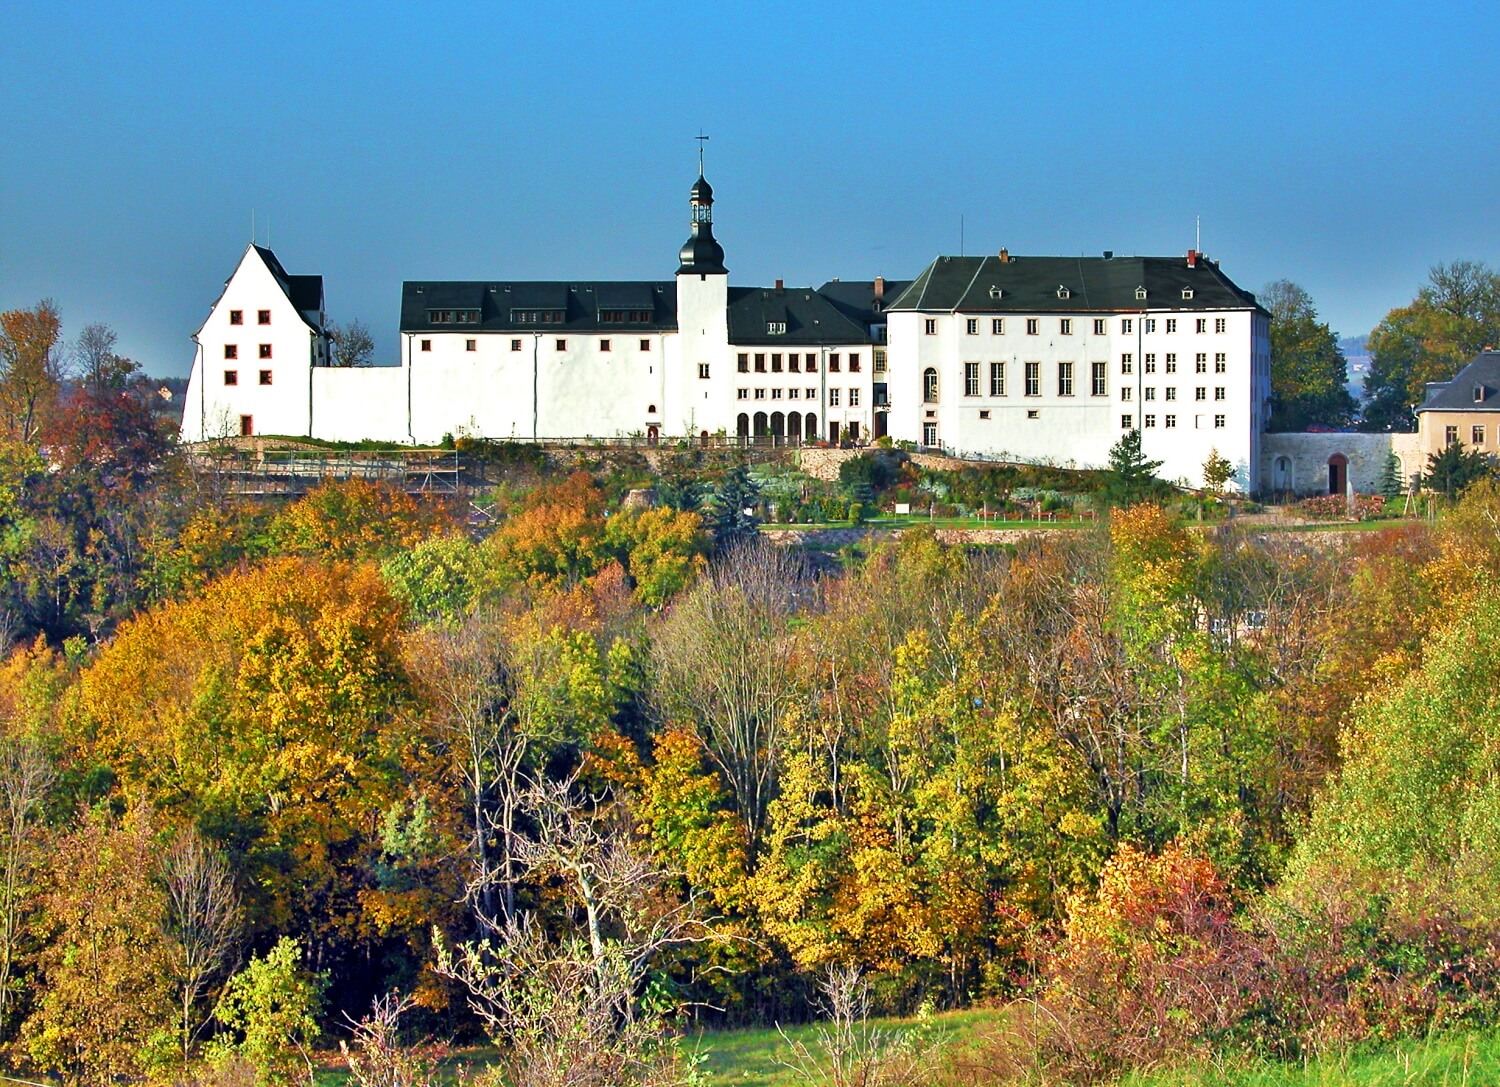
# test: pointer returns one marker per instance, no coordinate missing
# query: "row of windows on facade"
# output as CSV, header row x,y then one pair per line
x,y
1169,422
798,364
237,316
1065,325
1098,384
1148,362
1476,435
232,351
834,395
606,346
232,377
1200,392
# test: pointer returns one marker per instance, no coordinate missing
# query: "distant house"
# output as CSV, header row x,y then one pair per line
x,y
1465,410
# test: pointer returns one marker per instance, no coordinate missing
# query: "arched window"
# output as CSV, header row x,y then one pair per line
x,y
651,409
742,425
929,385
762,425
794,424
778,424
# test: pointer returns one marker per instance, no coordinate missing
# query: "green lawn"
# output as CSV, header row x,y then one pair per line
x,y
937,522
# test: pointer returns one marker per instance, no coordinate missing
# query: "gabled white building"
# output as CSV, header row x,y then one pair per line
x,y
1033,358
1053,358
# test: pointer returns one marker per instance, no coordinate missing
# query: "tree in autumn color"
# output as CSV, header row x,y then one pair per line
x,y
31,369
353,519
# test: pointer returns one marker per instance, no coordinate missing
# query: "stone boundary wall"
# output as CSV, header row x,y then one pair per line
x,y
1297,464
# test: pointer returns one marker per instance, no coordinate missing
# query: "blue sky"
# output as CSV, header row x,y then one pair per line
x,y
1345,146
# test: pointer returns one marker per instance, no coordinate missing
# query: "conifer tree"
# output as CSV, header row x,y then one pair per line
x,y
1390,484
732,518
1132,477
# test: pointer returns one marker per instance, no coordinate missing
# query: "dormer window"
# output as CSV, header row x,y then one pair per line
x,y
1187,292
453,316
1140,294
1479,394
775,328
996,293
875,306
1063,292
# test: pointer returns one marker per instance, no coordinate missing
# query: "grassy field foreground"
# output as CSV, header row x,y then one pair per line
x,y
748,1058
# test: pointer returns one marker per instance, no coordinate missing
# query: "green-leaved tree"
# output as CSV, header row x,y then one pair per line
x,y
1308,370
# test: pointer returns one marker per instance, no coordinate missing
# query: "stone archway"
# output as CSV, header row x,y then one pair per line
x,y
1338,474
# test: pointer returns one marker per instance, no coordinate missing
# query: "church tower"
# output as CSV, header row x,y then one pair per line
x,y
702,310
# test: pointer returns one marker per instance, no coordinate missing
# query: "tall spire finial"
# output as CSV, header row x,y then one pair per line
x,y
702,139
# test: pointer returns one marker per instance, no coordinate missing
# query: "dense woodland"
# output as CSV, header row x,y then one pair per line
x,y
350,769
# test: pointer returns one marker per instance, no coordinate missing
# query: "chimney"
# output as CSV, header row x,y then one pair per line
x,y
780,286
880,286
1004,256
1109,254
1192,258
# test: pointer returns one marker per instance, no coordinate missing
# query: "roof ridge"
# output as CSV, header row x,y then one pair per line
x,y
963,294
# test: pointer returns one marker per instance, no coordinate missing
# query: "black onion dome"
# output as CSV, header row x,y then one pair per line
x,y
701,253
701,192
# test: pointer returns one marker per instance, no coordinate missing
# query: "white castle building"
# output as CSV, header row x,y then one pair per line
x,y
1029,358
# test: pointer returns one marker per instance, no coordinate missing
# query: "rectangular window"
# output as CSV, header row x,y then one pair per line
x,y
1031,326
562,345
833,363
1220,392
760,364
984,414
742,394
473,345
760,394
1150,392
1127,326
1149,324
247,426
833,398
1200,363
265,350
1065,326
929,326
1126,392
1200,393
812,364
1127,363
776,363
1033,414
1169,422
231,350
744,363
880,360
1100,384
515,345
1033,379
1171,362
811,394
929,434
703,371
775,394
426,345
1151,420
1171,324
1150,362
1098,326
1171,392
997,379
1125,421
1218,422
854,398
854,362
1220,363
1220,324
265,377
263,317
971,326
971,379
1476,435
236,316
231,377
645,345
1202,324
1064,379
997,326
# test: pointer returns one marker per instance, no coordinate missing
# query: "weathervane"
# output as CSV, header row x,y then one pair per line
x,y
701,138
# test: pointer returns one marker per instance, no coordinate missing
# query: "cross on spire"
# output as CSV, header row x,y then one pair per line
x,y
702,139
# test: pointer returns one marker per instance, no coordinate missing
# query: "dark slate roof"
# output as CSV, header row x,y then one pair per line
x,y
304,292
1458,394
809,318
580,302
855,298
1100,284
